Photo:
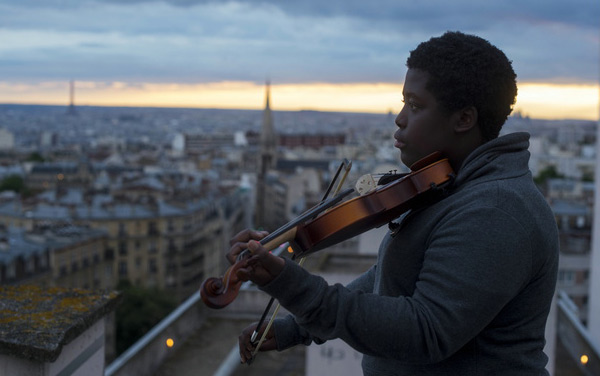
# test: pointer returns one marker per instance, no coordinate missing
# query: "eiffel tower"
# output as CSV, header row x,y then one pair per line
x,y
71,109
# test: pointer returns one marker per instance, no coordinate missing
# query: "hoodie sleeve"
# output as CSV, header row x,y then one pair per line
x,y
474,264
287,331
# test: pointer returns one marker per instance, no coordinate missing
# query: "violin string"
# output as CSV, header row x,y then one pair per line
x,y
312,212
348,165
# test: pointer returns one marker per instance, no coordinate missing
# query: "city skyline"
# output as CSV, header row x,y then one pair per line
x,y
336,56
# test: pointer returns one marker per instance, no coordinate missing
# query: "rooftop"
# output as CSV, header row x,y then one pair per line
x,y
36,323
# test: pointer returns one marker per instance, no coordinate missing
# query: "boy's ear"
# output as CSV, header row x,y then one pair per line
x,y
467,119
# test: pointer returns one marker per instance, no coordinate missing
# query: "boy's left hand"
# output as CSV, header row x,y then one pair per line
x,y
262,266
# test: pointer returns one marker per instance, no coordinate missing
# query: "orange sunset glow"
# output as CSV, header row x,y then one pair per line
x,y
541,101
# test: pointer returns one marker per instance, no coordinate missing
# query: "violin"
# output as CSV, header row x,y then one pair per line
x,y
334,221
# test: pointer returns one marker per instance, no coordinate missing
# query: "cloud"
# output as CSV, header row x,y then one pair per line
x,y
194,41
583,13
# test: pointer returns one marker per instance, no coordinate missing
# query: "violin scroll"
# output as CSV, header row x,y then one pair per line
x,y
219,292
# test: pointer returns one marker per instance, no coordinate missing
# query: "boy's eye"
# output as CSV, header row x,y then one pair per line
x,y
413,106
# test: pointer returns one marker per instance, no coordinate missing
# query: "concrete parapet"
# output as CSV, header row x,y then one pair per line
x,y
53,331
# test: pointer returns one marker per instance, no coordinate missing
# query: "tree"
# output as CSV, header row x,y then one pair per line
x,y
14,183
587,176
545,174
35,157
141,309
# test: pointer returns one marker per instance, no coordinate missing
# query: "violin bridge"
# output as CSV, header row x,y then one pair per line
x,y
365,184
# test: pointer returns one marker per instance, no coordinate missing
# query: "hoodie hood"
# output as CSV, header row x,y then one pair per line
x,y
502,158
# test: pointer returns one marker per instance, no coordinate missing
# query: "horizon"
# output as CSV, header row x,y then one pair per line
x,y
535,100
514,113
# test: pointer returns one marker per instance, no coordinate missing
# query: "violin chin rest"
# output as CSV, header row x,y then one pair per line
x,y
426,161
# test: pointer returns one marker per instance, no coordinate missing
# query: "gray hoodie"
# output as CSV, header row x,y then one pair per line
x,y
462,287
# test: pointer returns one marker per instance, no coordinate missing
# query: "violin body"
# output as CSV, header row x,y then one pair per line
x,y
340,222
375,209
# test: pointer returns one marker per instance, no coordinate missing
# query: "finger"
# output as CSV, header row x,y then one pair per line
x,y
260,268
248,234
242,236
240,242
256,273
245,343
268,261
245,355
234,251
268,344
246,273
245,350
256,248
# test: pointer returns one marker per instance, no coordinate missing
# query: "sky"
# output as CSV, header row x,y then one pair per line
x,y
329,55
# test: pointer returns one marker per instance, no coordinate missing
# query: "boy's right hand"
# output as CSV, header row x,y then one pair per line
x,y
247,346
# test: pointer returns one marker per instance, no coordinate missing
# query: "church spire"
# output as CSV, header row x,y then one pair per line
x,y
268,137
267,159
267,95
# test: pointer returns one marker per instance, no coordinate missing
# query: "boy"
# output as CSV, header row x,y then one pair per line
x,y
462,285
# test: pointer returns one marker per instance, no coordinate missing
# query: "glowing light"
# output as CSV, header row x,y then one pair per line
x,y
290,250
170,342
584,359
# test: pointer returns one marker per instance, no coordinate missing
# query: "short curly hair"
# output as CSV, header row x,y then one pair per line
x,y
466,70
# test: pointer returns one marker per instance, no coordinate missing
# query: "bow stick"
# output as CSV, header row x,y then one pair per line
x,y
346,166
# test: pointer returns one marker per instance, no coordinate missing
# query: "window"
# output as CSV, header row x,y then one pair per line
x,y
152,267
566,277
43,261
108,271
74,262
123,248
152,228
11,271
123,269
30,265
